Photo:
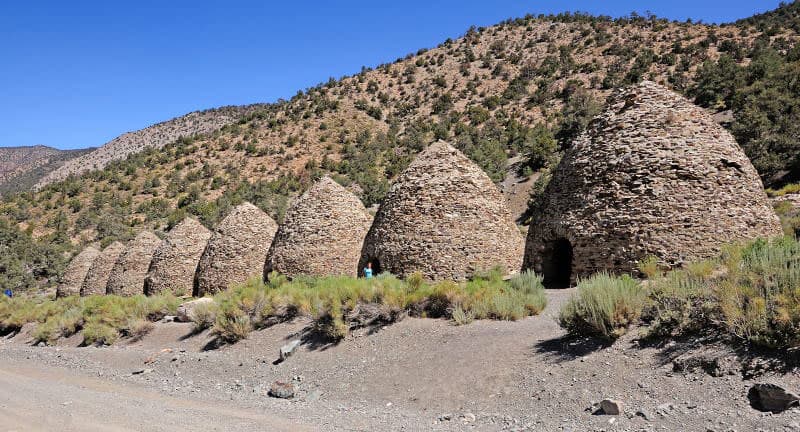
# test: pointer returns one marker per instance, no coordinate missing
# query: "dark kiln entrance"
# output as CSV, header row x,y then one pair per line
x,y
557,264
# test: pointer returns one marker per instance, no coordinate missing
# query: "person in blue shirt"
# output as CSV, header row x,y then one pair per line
x,y
8,292
368,271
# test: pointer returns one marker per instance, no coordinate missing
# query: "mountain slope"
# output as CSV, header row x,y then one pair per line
x,y
21,167
155,136
517,91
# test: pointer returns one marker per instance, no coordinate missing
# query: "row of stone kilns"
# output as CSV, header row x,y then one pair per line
x,y
653,175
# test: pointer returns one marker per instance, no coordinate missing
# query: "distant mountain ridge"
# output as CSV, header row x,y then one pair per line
x,y
155,136
21,167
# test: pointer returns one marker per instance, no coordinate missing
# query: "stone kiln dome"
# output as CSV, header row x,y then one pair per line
x,y
445,218
653,175
127,276
322,233
97,277
175,260
236,251
76,271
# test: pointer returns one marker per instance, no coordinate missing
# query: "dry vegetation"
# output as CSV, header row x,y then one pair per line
x,y
749,295
335,304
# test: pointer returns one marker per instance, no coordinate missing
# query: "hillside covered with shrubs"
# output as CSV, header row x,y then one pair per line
x,y
521,90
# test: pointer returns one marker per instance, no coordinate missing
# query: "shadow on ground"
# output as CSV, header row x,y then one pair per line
x,y
569,347
713,354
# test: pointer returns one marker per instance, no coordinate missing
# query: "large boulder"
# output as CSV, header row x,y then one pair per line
x,y
772,397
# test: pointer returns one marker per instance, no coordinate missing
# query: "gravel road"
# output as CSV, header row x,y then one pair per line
x,y
415,375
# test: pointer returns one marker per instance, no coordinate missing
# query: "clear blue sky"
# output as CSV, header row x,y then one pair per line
x,y
77,74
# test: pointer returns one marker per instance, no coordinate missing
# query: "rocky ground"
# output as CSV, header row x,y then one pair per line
x,y
416,375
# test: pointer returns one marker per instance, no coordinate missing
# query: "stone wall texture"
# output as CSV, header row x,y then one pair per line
x,y
653,175
97,277
444,218
236,251
127,276
322,233
75,273
175,260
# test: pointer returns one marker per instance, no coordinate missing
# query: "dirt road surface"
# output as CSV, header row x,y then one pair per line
x,y
50,399
414,375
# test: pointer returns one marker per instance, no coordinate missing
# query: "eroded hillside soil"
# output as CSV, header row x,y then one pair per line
x,y
416,375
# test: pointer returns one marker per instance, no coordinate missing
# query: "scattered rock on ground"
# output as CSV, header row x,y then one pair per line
x,y
281,390
611,407
771,397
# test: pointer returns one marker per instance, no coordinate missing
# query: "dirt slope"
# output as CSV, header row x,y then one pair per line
x,y
21,167
155,136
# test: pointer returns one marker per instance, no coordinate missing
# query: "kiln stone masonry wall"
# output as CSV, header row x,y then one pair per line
x,y
127,276
175,260
75,273
444,218
653,175
97,277
322,233
236,251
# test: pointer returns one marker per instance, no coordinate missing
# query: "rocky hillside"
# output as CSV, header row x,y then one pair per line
x,y
21,167
517,91
156,136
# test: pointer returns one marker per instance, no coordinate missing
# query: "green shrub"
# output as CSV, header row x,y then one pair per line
x,y
649,267
203,316
759,299
790,188
232,327
604,306
66,316
96,333
461,317
337,304
138,328
701,269
679,303
754,298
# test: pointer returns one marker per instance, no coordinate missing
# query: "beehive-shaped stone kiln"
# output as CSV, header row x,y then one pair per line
x,y
444,218
97,277
127,276
236,251
75,273
175,260
322,233
653,175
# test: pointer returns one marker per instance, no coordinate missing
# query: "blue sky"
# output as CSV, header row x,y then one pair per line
x,y
77,74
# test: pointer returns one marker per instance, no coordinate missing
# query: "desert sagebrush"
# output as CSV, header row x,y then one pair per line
x,y
605,305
